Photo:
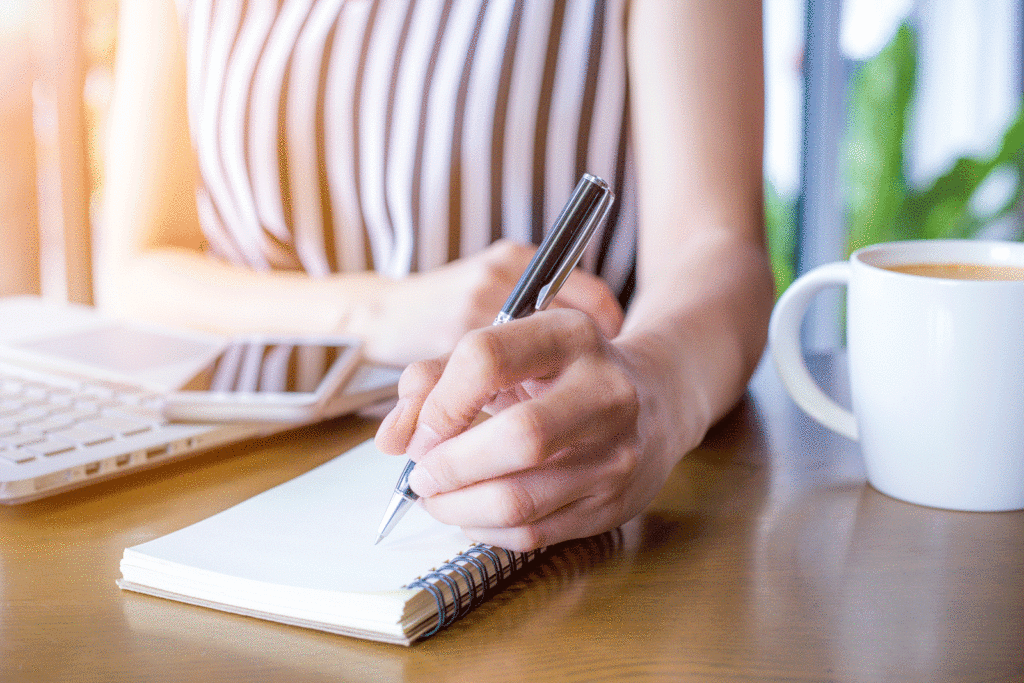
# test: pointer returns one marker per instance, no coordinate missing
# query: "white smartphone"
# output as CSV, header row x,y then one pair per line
x,y
267,379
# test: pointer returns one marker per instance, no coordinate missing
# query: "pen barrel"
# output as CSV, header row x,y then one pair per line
x,y
561,250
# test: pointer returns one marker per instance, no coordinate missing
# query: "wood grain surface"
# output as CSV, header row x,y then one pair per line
x,y
766,557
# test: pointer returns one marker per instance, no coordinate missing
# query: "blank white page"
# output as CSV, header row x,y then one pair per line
x,y
316,532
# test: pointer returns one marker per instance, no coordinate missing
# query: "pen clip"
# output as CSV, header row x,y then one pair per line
x,y
575,252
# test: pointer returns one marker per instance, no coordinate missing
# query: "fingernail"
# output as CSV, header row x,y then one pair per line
x,y
422,482
423,439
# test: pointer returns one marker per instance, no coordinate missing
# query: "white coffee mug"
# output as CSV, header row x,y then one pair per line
x,y
936,370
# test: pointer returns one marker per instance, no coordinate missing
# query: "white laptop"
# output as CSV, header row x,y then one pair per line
x,y
79,395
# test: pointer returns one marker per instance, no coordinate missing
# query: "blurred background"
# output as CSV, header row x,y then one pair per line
x,y
885,119
56,61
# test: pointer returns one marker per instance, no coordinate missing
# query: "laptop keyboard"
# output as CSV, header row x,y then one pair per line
x,y
46,419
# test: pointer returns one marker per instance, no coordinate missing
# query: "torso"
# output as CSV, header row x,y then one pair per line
x,y
398,135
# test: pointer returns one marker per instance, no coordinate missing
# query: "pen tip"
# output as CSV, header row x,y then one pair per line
x,y
379,537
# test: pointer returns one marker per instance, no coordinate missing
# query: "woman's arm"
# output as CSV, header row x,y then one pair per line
x,y
151,261
587,429
705,289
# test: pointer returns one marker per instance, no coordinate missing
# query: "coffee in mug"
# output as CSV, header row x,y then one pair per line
x,y
960,271
935,345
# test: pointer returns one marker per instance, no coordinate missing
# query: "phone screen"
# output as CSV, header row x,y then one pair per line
x,y
256,367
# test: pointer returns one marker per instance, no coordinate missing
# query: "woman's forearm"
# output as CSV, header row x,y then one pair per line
x,y
399,320
188,288
698,321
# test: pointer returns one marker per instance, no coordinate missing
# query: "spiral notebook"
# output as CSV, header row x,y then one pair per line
x,y
303,553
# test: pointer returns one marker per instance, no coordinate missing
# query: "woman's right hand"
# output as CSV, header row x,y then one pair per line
x,y
425,314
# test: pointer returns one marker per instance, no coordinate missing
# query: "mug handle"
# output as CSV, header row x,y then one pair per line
x,y
784,340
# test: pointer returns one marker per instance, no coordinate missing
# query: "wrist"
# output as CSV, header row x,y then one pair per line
x,y
359,303
674,414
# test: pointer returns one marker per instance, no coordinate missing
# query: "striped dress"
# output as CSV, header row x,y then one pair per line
x,y
399,135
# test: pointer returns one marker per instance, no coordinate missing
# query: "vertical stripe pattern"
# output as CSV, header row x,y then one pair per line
x,y
398,135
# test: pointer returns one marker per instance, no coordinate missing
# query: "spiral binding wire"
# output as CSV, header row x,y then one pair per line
x,y
495,565
491,575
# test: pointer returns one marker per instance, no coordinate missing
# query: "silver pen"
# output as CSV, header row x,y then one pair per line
x,y
555,259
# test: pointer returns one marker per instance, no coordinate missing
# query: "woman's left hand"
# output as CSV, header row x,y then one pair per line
x,y
568,451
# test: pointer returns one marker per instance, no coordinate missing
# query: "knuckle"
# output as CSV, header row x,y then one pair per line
x,y
610,313
418,377
624,396
478,311
514,505
481,353
529,538
445,419
580,328
482,276
528,435
624,466
618,477
446,476
524,538
504,250
618,398
462,322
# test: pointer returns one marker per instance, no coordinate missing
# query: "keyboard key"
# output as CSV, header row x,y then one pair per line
x,y
62,397
16,456
56,422
81,415
33,414
118,425
87,406
141,398
84,435
36,392
50,446
19,440
11,406
136,412
97,391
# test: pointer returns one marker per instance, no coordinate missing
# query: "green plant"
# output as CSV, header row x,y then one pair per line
x,y
780,224
881,205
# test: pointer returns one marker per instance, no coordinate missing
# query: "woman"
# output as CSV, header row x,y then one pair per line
x,y
377,167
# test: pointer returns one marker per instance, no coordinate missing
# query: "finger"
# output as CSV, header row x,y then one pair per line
x,y
490,360
579,519
582,518
576,413
511,256
592,295
504,399
414,385
530,496
508,502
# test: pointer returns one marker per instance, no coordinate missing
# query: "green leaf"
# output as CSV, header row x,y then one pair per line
x,y
879,100
780,225
881,204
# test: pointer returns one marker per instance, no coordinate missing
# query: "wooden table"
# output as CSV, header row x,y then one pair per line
x,y
765,557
